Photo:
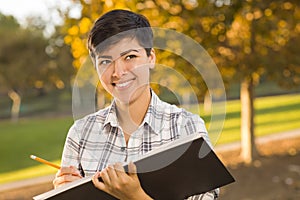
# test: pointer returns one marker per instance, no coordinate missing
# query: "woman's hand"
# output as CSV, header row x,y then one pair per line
x,y
66,175
120,184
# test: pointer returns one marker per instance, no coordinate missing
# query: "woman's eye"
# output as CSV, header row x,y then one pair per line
x,y
105,62
130,57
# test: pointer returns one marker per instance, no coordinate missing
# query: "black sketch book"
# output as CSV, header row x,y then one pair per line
x,y
176,170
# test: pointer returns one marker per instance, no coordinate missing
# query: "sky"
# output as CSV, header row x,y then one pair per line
x,y
21,9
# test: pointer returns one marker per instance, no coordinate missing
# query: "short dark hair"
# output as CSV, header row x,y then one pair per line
x,y
116,25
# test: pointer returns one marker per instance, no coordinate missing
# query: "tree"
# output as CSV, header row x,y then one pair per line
x,y
27,60
22,55
256,45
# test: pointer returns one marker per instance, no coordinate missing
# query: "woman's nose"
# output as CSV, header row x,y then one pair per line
x,y
119,68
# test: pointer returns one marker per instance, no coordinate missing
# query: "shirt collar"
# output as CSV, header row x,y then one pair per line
x,y
149,119
152,117
111,117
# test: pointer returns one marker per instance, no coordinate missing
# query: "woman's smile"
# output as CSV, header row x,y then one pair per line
x,y
123,84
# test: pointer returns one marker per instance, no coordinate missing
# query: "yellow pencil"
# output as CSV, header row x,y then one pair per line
x,y
44,161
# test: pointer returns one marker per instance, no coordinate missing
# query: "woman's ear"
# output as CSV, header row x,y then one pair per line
x,y
152,58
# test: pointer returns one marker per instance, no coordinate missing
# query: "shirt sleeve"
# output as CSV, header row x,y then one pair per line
x,y
211,195
70,155
193,124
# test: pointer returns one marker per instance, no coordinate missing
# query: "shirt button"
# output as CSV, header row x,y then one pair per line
x,y
123,148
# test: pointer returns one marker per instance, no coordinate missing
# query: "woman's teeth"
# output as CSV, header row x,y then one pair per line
x,y
122,85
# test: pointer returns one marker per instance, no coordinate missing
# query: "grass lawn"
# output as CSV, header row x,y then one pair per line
x,y
45,137
41,137
272,115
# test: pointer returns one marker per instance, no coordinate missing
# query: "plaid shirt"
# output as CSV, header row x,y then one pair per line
x,y
97,140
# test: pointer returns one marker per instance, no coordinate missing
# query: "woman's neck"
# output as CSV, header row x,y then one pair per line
x,y
131,115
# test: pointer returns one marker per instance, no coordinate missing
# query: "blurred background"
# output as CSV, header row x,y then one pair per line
x,y
255,45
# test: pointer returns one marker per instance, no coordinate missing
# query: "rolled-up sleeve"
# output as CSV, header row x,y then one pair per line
x,y
70,155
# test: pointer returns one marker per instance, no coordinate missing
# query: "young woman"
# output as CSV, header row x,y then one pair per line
x,y
136,122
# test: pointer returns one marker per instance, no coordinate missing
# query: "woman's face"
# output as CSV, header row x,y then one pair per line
x,y
123,70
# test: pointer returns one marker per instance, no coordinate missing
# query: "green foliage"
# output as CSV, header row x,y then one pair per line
x,y
29,60
8,23
23,60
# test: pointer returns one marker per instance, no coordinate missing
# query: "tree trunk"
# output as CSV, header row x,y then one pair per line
x,y
16,103
248,148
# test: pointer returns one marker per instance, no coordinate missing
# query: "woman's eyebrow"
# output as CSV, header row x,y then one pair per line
x,y
121,54
126,52
104,56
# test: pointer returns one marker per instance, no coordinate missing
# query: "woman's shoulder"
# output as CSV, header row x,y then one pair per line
x,y
98,116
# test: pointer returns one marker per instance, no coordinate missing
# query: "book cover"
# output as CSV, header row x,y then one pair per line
x,y
175,171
